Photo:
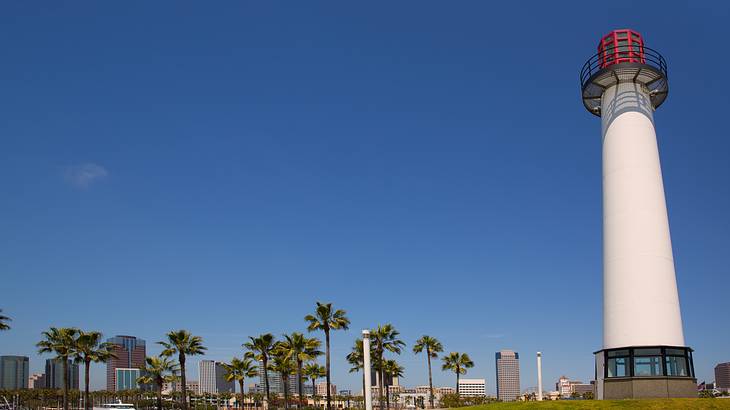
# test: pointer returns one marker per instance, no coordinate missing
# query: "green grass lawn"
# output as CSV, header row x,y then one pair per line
x,y
653,404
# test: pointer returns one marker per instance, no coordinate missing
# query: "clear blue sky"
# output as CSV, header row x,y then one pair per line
x,y
220,167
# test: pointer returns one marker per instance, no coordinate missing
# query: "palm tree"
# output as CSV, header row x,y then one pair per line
x,y
326,319
183,343
301,349
314,371
259,348
239,370
158,370
392,369
457,363
384,337
284,365
432,347
90,348
62,343
4,321
356,359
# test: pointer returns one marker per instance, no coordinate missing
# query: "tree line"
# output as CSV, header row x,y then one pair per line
x,y
294,354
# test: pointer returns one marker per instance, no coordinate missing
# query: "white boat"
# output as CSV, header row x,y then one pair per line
x,y
116,406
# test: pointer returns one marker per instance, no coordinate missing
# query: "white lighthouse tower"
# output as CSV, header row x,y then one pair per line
x,y
644,353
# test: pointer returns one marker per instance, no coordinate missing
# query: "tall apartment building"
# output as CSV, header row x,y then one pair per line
x,y
276,384
13,372
212,378
508,375
473,387
54,374
37,381
722,376
130,353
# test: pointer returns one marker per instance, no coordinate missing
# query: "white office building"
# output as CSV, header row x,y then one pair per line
x,y
473,387
508,375
213,378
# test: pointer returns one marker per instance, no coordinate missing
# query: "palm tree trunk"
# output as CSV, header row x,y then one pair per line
x,y
314,391
430,380
387,396
327,341
363,384
184,388
300,384
266,377
240,382
382,381
285,381
65,383
457,381
159,397
87,363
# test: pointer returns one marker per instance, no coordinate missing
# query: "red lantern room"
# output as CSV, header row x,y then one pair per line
x,y
621,46
623,57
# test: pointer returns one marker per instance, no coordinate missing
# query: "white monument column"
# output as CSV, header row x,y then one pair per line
x,y
539,376
368,395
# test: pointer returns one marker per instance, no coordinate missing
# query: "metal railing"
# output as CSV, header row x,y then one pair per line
x,y
598,62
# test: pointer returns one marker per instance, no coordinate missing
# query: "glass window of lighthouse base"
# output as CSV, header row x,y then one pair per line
x,y
649,361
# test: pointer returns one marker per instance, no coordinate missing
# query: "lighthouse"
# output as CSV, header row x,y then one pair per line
x,y
644,353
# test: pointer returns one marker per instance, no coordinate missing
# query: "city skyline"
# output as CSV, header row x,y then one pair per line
x,y
162,159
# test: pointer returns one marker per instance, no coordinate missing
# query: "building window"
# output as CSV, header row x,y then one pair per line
x,y
618,363
649,362
648,366
677,366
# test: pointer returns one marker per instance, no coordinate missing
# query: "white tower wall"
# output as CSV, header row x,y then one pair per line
x,y
640,300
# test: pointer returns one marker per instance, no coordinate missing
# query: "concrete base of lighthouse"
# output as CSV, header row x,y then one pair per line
x,y
669,374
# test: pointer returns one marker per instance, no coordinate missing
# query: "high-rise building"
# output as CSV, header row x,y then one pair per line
x,y
722,376
276,384
54,374
508,375
322,389
13,372
130,353
473,387
37,381
126,379
213,378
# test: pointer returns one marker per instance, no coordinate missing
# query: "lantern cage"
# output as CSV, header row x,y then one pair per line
x,y
623,57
